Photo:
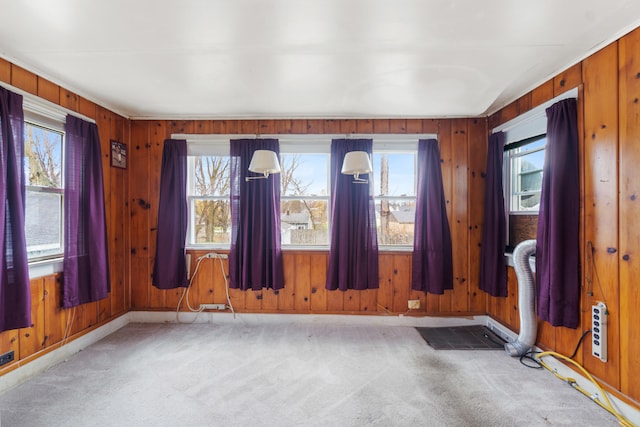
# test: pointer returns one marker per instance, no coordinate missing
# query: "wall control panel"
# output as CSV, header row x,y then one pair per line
x,y
599,331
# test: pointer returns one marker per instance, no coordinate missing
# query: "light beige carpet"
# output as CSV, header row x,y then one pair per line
x,y
291,374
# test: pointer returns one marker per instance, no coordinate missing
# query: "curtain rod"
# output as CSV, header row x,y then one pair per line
x,y
40,104
536,111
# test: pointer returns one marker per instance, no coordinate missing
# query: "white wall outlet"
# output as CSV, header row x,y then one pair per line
x,y
599,331
213,307
215,255
413,304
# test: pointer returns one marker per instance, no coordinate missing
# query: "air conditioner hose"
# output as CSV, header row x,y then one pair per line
x,y
526,300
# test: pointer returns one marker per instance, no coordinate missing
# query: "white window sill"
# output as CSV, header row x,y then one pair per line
x,y
395,248
207,248
508,259
305,248
326,248
45,268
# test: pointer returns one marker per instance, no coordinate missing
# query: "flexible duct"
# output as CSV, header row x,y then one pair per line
x,y
526,300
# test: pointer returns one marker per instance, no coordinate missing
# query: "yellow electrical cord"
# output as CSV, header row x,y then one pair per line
x,y
606,405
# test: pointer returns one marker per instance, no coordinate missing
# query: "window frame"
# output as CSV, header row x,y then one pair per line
x,y
54,122
401,146
208,144
302,197
311,144
203,147
518,220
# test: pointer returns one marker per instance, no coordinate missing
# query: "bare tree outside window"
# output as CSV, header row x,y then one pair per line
x,y
44,192
42,151
293,185
212,215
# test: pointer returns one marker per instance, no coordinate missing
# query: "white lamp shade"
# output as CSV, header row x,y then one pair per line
x,y
265,162
356,163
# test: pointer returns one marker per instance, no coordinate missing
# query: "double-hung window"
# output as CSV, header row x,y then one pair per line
x,y
43,167
208,189
304,195
523,163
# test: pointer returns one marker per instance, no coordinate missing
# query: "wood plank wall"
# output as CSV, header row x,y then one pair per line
x,y
52,325
609,89
463,150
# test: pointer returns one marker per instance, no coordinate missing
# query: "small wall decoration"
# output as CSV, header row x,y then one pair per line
x,y
118,155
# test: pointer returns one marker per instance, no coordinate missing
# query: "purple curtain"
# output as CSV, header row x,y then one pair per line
x,y
15,292
493,268
255,259
557,248
353,255
170,266
86,264
432,262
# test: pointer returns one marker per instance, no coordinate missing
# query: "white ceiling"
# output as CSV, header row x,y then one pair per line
x,y
306,58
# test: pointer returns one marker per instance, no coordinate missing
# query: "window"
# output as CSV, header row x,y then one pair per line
x,y
43,166
395,190
523,165
208,200
305,189
304,199
525,162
